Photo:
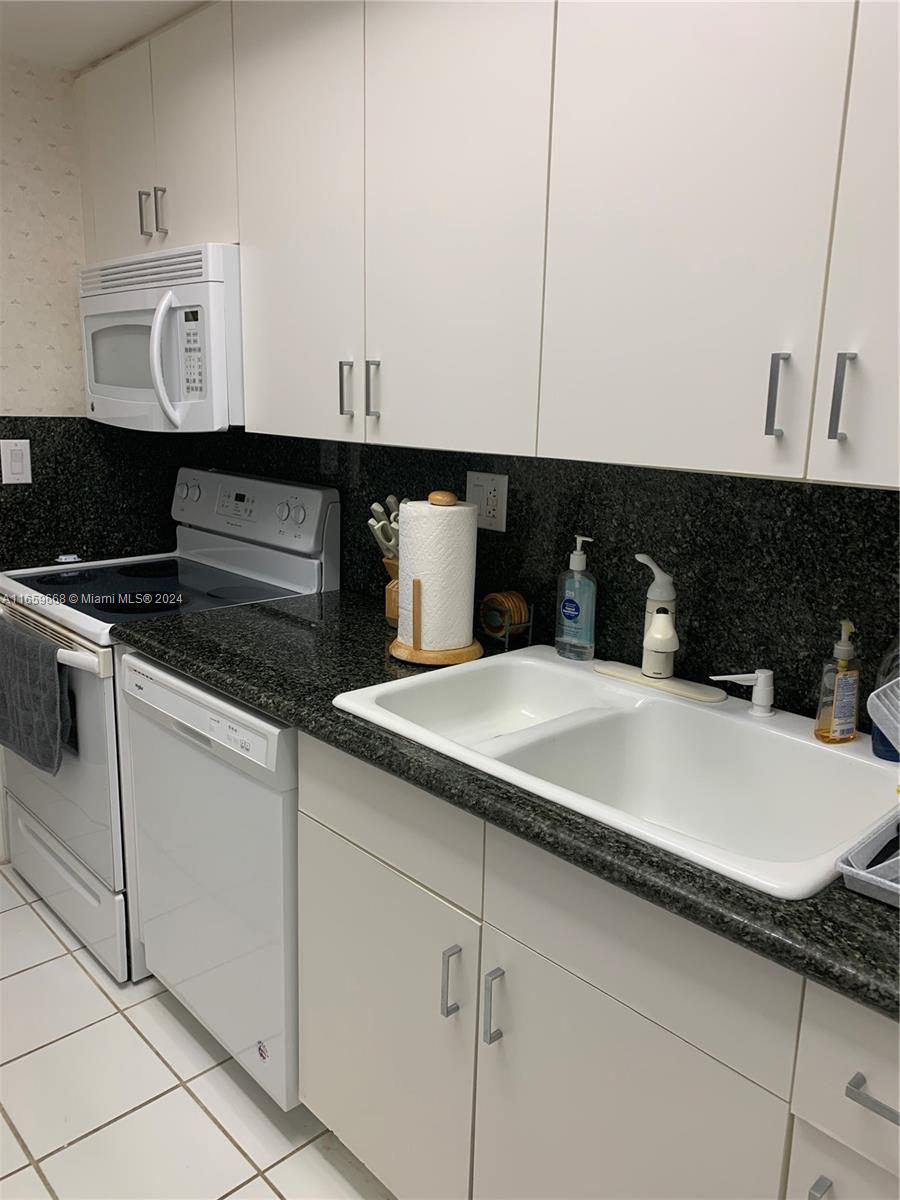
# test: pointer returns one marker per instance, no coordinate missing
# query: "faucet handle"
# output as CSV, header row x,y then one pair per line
x,y
763,683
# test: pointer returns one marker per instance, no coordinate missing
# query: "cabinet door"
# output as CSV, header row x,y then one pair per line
x,y
379,1062
457,128
691,184
861,315
583,1097
193,112
299,96
117,115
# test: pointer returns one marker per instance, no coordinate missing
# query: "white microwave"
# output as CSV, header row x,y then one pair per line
x,y
162,340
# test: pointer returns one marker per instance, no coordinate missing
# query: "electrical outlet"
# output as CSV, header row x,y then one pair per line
x,y
15,460
489,493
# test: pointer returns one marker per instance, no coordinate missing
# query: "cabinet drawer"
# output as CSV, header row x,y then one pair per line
x,y
840,1039
814,1155
738,1007
425,838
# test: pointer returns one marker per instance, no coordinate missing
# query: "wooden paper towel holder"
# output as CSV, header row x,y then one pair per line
x,y
415,653
430,658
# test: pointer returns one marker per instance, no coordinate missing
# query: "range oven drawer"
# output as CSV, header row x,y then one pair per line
x,y
76,895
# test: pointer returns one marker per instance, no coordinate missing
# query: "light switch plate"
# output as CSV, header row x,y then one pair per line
x,y
489,493
15,460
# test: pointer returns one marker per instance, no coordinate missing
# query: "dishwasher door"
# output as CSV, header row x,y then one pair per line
x,y
214,792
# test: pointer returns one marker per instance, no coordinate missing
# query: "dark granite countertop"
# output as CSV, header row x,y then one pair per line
x,y
290,658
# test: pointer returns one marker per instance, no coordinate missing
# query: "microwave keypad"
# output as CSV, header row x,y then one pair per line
x,y
192,353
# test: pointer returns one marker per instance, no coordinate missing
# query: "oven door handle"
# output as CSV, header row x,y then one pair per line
x,y
82,660
156,371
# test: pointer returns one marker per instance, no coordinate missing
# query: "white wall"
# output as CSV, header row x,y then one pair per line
x,y
41,242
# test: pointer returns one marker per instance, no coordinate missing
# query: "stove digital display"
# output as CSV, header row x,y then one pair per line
x,y
236,504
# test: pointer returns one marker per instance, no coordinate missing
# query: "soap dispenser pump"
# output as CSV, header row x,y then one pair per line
x,y
660,594
575,604
839,692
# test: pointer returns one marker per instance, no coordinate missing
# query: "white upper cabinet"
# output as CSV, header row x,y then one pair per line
x,y
117,159
691,185
159,159
193,112
457,127
861,315
299,99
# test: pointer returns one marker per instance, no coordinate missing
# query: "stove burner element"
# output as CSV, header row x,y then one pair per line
x,y
150,570
241,593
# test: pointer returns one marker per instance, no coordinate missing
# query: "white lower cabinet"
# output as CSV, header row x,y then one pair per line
x,y
581,1096
823,1169
383,1062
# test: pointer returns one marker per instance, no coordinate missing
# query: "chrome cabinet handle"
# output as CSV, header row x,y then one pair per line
x,y
854,1091
142,196
490,1035
448,1009
158,193
820,1188
772,401
346,364
837,397
371,364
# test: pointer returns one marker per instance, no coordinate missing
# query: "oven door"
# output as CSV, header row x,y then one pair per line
x,y
80,804
154,358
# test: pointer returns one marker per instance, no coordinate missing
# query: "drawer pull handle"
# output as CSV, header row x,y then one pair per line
x,y
448,1009
835,433
372,364
820,1188
345,364
855,1091
488,1033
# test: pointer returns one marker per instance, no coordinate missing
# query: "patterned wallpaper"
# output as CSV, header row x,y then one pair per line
x,y
41,242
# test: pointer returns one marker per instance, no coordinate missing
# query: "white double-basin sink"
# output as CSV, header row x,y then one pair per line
x,y
756,799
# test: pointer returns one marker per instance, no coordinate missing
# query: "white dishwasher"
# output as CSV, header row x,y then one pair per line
x,y
212,789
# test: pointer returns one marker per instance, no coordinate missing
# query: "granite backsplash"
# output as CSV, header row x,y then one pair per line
x,y
764,570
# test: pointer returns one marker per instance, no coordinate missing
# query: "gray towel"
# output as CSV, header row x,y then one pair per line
x,y
35,715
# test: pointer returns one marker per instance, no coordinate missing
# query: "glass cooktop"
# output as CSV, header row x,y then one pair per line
x,y
131,591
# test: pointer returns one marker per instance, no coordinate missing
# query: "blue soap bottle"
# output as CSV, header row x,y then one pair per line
x,y
576,599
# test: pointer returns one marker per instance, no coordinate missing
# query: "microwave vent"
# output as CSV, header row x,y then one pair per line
x,y
147,271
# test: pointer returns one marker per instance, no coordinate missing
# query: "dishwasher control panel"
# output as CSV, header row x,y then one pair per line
x,y
200,716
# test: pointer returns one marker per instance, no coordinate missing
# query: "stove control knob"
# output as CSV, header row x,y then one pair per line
x,y
298,512
182,491
194,492
282,511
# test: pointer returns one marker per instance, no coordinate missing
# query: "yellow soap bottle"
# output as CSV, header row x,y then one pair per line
x,y
839,693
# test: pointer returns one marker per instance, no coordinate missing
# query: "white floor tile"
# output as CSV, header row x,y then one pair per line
x,y
24,1185
326,1170
9,897
69,939
256,1189
25,941
180,1039
168,1150
18,883
45,1003
79,1083
12,1156
253,1119
122,994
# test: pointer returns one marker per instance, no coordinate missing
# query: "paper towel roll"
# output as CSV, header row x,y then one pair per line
x,y
437,546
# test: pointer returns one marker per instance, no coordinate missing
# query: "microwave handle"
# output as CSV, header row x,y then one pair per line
x,y
159,387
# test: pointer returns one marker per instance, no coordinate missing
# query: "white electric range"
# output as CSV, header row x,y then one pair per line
x,y
238,541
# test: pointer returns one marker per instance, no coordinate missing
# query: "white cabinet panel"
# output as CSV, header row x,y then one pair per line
x,y
838,1040
732,1003
379,1063
582,1097
692,177
117,115
299,99
851,1177
457,127
193,112
861,314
